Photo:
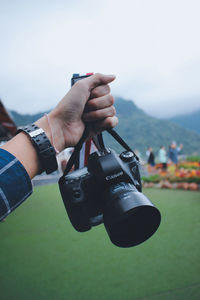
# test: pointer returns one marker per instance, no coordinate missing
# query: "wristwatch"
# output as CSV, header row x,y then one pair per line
x,y
45,151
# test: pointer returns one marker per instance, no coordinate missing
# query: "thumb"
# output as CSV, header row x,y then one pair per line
x,y
99,79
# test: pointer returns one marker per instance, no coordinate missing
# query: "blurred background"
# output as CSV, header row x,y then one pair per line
x,y
153,48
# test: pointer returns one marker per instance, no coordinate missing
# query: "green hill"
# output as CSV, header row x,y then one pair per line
x,y
141,130
189,121
138,129
24,119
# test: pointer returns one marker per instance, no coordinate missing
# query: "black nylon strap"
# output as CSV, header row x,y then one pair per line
x,y
45,150
75,154
118,138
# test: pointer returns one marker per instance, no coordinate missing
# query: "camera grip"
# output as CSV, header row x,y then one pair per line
x,y
73,198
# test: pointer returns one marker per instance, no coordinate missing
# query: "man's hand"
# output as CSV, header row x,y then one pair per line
x,y
89,100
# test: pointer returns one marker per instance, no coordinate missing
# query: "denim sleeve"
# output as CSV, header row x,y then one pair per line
x,y
15,183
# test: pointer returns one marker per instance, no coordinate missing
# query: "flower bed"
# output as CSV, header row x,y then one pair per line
x,y
186,176
166,184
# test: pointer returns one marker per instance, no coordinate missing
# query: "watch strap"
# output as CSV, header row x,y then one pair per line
x,y
45,151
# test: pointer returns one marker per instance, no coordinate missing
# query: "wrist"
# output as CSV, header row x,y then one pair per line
x,y
45,150
50,124
42,123
23,154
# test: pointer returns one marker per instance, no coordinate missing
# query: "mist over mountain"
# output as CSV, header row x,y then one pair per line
x,y
190,121
138,129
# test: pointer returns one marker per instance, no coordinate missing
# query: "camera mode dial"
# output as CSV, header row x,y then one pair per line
x,y
126,155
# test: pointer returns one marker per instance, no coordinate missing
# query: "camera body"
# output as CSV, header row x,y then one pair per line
x,y
108,190
83,190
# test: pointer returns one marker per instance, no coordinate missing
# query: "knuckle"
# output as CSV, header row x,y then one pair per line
x,y
101,90
116,121
95,93
79,84
107,88
112,122
113,110
93,105
111,100
97,75
95,114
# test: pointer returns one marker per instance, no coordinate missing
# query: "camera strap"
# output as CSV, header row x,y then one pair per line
x,y
118,138
98,140
74,158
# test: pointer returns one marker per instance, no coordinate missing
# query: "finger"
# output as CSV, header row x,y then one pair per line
x,y
107,123
100,91
98,79
100,114
99,103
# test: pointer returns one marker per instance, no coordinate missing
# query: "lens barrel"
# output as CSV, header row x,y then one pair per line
x,y
129,216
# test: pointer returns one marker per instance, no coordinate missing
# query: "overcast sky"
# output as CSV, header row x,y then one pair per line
x,y
152,46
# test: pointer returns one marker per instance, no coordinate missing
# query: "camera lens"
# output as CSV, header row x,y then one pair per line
x,y
129,216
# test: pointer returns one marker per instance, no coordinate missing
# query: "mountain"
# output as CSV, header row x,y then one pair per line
x,y
188,121
141,130
138,129
21,120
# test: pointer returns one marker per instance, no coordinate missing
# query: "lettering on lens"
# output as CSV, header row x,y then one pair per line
x,y
110,177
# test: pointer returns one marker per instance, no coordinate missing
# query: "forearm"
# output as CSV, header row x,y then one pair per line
x,y
15,184
22,148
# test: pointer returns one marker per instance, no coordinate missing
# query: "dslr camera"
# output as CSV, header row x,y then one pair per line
x,y
108,190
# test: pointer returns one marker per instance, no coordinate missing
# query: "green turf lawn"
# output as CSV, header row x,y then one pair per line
x,y
43,257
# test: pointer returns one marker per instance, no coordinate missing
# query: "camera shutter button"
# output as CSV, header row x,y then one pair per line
x,y
126,156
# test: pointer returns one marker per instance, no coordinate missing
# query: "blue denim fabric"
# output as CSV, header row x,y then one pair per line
x,y
15,183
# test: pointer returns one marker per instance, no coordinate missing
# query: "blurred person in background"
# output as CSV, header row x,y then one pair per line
x,y
151,160
173,153
162,157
